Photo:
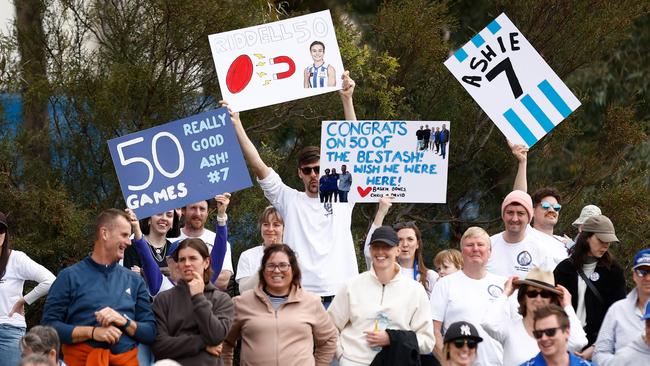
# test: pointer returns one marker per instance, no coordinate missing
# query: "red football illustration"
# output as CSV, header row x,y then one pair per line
x,y
239,74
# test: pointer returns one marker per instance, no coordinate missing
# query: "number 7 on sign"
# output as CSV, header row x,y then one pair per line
x,y
217,175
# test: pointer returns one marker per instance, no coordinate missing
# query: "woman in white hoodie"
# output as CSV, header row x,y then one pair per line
x,y
377,302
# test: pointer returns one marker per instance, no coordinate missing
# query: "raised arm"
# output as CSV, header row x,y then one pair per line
x,y
383,206
346,97
251,155
220,243
521,153
150,270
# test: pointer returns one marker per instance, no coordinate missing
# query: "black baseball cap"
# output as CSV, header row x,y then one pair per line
x,y
462,330
384,234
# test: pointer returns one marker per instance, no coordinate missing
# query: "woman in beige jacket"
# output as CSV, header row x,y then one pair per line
x,y
278,322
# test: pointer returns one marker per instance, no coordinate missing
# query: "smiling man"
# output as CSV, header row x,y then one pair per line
x,y
515,251
551,330
546,213
99,308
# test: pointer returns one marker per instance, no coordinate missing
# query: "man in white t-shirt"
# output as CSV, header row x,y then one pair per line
x,y
196,215
516,250
466,294
546,210
318,232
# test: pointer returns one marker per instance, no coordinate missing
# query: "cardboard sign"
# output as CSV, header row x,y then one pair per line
x,y
179,163
512,83
277,62
406,160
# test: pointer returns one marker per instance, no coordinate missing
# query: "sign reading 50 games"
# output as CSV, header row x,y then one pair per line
x,y
512,83
178,163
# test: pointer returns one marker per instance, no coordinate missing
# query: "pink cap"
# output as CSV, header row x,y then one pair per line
x,y
520,197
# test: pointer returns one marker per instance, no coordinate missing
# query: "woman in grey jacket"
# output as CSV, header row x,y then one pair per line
x,y
194,317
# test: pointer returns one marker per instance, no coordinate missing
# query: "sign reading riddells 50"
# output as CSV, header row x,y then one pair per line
x,y
512,83
178,163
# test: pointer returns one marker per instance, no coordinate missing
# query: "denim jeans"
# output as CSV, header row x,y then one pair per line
x,y
10,337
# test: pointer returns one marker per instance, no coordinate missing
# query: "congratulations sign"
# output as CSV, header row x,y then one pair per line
x,y
178,163
277,62
512,83
406,160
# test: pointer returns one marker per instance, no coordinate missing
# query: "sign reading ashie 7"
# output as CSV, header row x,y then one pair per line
x,y
179,163
512,83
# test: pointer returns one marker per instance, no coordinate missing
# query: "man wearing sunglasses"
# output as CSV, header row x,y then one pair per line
x,y
546,213
551,330
622,323
318,233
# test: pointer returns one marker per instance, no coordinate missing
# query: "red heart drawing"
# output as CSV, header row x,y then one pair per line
x,y
363,191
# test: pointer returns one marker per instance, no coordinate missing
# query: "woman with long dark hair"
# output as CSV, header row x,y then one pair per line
x,y
278,322
514,332
194,317
410,257
16,268
592,276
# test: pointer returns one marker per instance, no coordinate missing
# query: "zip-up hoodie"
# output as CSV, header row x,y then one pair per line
x,y
365,304
299,333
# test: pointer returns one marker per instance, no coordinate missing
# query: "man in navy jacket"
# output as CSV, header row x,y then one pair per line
x,y
97,304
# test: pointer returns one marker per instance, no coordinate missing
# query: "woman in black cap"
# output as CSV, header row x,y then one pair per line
x,y
16,268
461,343
592,276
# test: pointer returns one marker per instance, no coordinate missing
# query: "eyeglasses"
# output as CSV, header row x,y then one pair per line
x,y
306,170
544,294
471,343
546,205
642,272
404,225
283,267
550,332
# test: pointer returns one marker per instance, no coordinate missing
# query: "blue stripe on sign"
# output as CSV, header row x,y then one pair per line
x,y
460,54
520,127
478,40
554,98
537,112
494,26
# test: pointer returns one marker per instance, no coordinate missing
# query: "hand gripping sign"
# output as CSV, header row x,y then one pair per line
x,y
512,83
277,62
179,163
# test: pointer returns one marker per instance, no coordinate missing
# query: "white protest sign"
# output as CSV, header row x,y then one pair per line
x,y
406,160
277,62
512,83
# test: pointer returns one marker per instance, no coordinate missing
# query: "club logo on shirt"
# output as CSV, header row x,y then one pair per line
x,y
524,258
328,208
594,276
494,291
128,291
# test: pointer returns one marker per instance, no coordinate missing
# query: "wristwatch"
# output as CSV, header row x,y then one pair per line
x,y
126,325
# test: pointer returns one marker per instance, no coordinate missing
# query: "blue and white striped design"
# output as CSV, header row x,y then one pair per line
x,y
317,76
476,41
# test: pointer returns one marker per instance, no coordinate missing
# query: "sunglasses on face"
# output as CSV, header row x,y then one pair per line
x,y
550,332
546,205
544,294
642,272
459,343
306,170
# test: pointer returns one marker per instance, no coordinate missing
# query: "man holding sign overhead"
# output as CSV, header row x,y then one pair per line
x,y
320,234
